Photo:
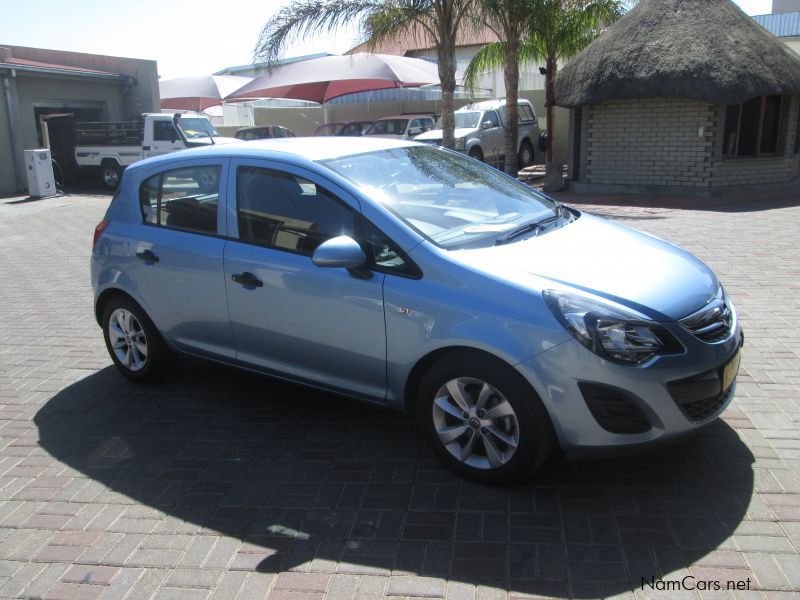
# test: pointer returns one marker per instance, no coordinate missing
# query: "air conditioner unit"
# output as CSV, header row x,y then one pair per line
x,y
39,167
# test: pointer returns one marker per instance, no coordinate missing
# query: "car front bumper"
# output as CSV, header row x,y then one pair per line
x,y
673,395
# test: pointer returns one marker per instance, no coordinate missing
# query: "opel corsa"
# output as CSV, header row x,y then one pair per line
x,y
417,278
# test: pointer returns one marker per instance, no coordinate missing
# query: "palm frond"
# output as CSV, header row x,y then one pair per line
x,y
307,18
490,57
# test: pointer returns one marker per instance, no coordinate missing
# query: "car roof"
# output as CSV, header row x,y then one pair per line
x,y
303,148
491,105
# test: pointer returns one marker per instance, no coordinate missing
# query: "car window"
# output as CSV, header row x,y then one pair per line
x,y
184,199
287,212
388,127
286,132
491,118
164,131
525,113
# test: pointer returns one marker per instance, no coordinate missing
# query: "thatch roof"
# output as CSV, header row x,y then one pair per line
x,y
701,49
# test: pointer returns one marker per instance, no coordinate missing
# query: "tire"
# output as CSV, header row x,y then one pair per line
x,y
133,342
476,153
520,435
207,180
526,156
110,174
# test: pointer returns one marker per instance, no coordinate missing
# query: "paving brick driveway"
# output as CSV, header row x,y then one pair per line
x,y
221,484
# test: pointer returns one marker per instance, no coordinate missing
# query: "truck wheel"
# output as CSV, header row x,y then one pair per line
x,y
111,173
476,153
526,155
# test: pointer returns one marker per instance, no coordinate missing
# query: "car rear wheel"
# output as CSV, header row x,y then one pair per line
x,y
133,342
526,156
110,173
483,419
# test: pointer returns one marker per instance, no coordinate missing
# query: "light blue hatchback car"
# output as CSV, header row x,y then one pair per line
x,y
417,278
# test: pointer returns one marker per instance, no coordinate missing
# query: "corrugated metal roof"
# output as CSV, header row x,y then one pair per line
x,y
781,24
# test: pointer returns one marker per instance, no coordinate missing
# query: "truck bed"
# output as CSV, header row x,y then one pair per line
x,y
118,133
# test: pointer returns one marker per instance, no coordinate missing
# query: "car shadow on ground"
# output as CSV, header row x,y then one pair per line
x,y
308,478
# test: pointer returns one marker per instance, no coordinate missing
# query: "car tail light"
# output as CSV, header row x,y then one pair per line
x,y
101,227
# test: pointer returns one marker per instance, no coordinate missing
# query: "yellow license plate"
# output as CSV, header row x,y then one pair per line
x,y
730,371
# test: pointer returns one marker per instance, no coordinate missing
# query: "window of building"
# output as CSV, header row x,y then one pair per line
x,y
797,137
753,127
185,199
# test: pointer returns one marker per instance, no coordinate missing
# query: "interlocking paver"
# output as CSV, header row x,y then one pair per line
x,y
221,484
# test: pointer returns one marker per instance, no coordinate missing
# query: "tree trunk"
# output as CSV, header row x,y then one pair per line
x,y
511,119
447,75
550,103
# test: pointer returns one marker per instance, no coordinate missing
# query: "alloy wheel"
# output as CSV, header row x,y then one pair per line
x,y
475,423
127,339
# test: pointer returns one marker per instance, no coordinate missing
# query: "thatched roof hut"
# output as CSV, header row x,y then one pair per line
x,y
706,50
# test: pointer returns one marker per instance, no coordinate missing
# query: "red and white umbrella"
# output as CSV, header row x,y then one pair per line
x,y
325,78
198,93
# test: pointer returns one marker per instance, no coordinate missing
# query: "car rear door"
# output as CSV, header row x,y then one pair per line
x,y
288,316
177,254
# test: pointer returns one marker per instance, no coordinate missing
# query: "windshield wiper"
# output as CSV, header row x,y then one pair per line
x,y
527,228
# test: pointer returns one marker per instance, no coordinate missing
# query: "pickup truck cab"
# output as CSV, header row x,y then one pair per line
x,y
480,132
401,127
109,147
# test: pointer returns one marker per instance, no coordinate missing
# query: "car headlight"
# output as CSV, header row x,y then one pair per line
x,y
461,144
611,332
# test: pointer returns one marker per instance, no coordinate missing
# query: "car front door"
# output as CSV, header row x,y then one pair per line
x,y
177,251
289,316
165,138
493,136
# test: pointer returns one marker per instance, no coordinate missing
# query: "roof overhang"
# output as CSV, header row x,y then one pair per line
x,y
67,72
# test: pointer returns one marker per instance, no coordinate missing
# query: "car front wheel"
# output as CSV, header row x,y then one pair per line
x,y
133,342
483,419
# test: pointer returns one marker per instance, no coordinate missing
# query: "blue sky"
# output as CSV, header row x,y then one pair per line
x,y
186,38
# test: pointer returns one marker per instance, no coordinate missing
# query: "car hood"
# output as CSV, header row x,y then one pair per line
x,y
609,260
436,134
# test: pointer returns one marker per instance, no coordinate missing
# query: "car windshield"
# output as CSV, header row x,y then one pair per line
x,y
448,198
467,120
388,127
194,127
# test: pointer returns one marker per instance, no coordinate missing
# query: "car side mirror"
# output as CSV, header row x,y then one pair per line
x,y
415,130
486,125
340,252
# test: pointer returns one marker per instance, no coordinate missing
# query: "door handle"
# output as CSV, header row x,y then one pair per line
x,y
147,256
247,279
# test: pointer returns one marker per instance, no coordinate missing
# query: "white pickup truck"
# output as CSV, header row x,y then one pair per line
x,y
110,147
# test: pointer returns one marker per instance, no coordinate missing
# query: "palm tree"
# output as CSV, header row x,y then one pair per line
x,y
559,29
551,30
436,21
508,20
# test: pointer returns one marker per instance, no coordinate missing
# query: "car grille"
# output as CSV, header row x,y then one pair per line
x,y
712,323
700,410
